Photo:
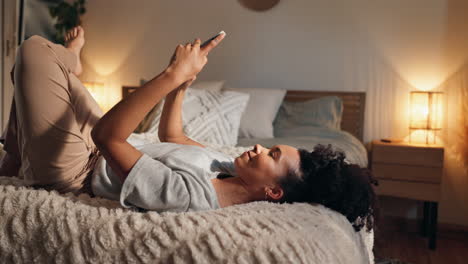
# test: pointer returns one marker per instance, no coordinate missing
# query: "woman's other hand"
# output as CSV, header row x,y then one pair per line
x,y
186,84
189,59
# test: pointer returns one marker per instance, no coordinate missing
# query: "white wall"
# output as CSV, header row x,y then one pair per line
x,y
385,48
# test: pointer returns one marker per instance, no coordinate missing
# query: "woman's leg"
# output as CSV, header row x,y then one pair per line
x,y
55,114
11,162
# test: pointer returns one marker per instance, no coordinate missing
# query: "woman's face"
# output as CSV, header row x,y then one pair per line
x,y
262,166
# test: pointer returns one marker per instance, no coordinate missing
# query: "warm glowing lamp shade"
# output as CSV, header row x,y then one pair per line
x,y
426,112
96,89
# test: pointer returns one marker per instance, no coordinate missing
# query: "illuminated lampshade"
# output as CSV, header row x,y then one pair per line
x,y
426,112
96,89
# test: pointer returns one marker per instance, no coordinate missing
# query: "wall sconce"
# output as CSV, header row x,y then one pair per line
x,y
96,89
426,113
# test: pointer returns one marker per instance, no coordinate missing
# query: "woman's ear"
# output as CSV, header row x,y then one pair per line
x,y
274,193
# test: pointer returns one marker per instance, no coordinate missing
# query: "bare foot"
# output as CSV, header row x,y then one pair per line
x,y
74,41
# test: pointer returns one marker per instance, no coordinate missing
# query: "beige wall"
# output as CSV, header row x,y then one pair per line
x,y
385,48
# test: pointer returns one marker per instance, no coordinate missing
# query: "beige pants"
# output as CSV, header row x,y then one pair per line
x,y
51,118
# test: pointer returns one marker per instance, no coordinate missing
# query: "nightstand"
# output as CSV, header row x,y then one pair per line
x,y
412,171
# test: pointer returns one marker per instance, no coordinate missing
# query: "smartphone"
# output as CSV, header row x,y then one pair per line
x,y
209,40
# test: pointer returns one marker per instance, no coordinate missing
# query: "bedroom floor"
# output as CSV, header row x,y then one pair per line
x,y
400,241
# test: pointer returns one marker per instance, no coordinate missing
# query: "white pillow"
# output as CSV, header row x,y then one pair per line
x,y
145,124
208,85
209,116
220,118
257,120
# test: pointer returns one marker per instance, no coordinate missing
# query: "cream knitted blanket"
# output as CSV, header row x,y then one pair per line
x,y
38,226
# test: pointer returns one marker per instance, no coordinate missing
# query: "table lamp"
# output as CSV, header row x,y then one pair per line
x,y
96,89
426,114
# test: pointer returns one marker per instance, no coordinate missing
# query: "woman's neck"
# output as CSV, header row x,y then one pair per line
x,y
231,191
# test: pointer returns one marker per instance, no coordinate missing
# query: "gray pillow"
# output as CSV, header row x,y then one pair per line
x,y
321,112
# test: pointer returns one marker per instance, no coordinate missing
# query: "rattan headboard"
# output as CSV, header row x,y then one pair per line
x,y
353,106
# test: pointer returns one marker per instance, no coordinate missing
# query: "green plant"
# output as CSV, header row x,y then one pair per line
x,y
68,16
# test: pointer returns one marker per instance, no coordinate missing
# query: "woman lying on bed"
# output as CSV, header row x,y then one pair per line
x,y
57,131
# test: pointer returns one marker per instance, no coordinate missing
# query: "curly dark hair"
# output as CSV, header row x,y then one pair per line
x,y
325,178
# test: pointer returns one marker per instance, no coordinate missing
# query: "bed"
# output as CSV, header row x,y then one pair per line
x,y
348,138
43,227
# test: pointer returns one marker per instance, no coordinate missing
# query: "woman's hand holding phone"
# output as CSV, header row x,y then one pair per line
x,y
110,134
189,59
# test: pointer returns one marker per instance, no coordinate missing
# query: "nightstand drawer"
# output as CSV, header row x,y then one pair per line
x,y
407,172
411,190
432,157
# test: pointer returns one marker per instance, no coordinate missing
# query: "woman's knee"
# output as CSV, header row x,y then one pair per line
x,y
32,43
34,51
37,50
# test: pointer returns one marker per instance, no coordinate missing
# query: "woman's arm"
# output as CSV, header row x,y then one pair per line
x,y
112,130
170,125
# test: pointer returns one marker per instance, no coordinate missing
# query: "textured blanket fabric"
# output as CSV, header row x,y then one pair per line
x,y
38,226
45,227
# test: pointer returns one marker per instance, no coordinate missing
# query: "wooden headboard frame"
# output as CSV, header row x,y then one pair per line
x,y
353,106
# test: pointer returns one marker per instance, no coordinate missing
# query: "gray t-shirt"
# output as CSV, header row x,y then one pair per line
x,y
168,177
